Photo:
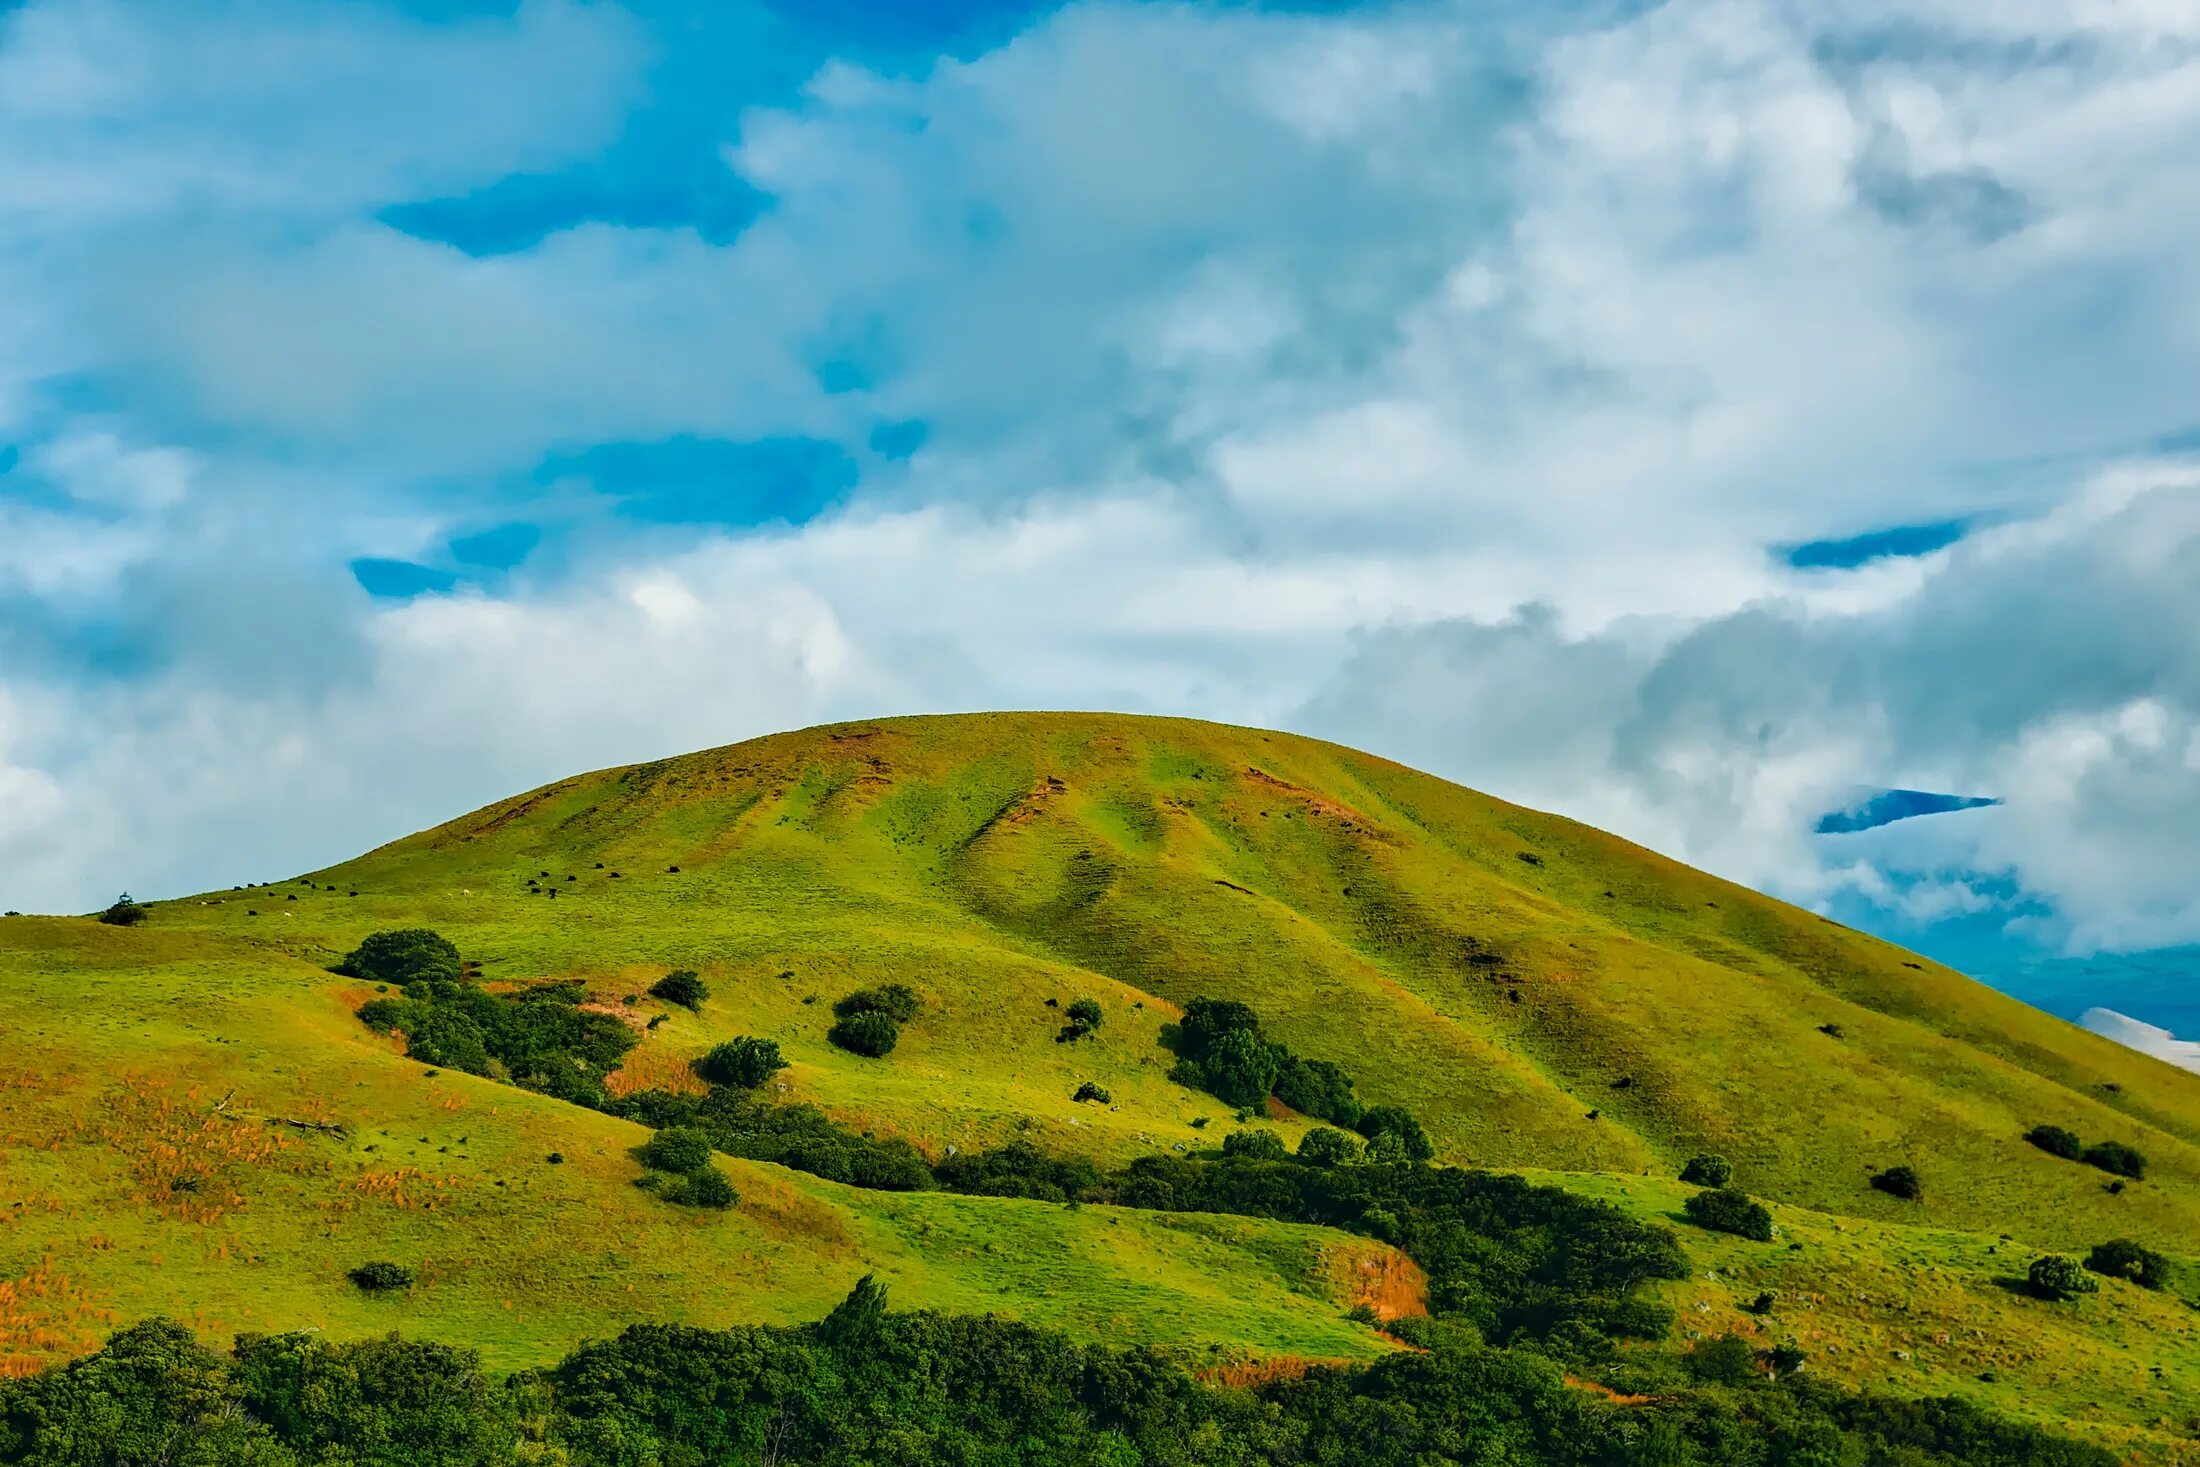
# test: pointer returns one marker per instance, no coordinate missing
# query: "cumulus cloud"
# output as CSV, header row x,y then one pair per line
x,y
1429,375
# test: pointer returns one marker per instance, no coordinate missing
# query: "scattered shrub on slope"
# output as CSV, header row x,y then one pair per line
x,y
683,987
1708,1170
2120,1258
124,912
2056,1141
868,1033
2116,1158
409,955
742,1063
2058,1278
1730,1210
1899,1181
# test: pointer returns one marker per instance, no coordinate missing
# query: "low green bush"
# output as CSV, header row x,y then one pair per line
x,y
869,1033
743,1063
1730,1210
683,987
2057,1278
381,1277
1709,1169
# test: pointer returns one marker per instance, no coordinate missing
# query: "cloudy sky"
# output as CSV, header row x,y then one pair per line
x,y
1693,417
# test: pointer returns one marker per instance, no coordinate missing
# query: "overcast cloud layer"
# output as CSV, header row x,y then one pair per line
x,y
406,409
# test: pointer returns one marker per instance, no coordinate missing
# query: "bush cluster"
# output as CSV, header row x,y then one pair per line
x,y
868,1022
539,1038
123,912
407,956
1085,1015
2113,1157
381,1277
2058,1278
1096,1093
680,1168
1220,1049
868,1385
2120,1258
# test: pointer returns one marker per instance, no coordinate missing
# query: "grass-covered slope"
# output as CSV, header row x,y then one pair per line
x,y
1539,994
148,1165
1500,972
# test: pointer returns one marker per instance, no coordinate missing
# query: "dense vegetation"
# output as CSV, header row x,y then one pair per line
x,y
540,1037
867,1386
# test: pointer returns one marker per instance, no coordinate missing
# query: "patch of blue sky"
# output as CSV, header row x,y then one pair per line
x,y
1885,807
714,481
399,580
1894,541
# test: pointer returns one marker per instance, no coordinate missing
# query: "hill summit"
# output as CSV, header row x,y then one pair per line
x,y
1040,912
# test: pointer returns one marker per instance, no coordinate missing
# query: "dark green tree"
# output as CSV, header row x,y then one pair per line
x,y
869,1032
406,956
2056,1141
124,912
2058,1278
1325,1146
896,1001
2117,1158
743,1063
1261,1145
679,1149
1899,1181
1708,1169
2120,1258
683,987
1729,1210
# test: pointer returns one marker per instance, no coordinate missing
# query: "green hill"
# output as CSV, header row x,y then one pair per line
x,y
1539,994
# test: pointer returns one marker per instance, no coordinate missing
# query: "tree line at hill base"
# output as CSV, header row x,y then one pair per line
x,y
864,1386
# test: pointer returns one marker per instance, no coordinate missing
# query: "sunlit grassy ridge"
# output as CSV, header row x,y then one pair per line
x,y
1540,994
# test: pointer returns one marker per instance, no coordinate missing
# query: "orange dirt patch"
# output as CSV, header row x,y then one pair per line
x,y
1383,1279
1317,803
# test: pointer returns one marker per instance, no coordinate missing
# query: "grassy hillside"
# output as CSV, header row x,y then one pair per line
x,y
1540,994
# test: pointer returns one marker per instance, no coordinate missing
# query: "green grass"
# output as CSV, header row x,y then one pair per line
x,y
1374,916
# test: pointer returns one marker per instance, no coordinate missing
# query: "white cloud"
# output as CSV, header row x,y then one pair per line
x,y
2142,1036
1271,362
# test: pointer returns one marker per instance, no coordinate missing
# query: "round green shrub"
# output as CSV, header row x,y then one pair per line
x,y
381,1277
1730,1210
708,1187
124,912
2057,1278
1708,1170
2120,1258
1899,1181
869,1033
1254,1146
682,987
896,1001
680,1149
408,955
743,1063
1325,1146
2056,1141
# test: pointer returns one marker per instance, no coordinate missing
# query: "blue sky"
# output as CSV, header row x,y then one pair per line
x,y
1697,417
